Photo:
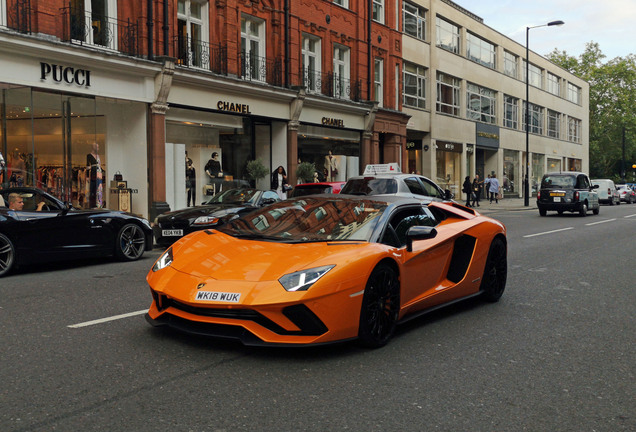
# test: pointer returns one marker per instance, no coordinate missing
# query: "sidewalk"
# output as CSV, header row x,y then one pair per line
x,y
506,204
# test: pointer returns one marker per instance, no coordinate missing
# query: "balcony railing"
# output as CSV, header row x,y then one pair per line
x,y
255,68
86,28
198,54
19,16
331,84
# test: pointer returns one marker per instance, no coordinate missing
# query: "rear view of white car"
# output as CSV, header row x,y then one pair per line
x,y
607,192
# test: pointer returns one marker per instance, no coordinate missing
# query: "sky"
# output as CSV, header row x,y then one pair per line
x,y
610,23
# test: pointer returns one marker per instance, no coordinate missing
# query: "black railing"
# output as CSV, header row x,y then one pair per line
x,y
255,68
331,84
86,28
19,16
197,54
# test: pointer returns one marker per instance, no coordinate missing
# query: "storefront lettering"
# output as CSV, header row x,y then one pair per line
x,y
67,74
326,121
233,107
488,135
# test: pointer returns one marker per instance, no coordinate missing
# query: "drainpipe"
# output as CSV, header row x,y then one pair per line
x,y
370,48
287,43
166,29
151,25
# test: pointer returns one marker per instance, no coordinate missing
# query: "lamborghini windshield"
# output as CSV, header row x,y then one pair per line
x,y
309,219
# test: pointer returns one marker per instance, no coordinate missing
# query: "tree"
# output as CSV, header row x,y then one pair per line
x,y
612,108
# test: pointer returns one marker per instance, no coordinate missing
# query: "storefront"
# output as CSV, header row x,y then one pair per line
x,y
538,170
511,179
487,150
448,162
334,152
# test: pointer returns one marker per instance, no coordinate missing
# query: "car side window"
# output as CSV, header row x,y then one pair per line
x,y
431,188
270,195
415,187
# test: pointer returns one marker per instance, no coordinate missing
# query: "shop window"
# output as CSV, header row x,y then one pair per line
x,y
448,160
94,22
414,81
511,169
538,170
447,36
254,64
192,33
554,165
341,72
447,94
481,104
414,20
311,63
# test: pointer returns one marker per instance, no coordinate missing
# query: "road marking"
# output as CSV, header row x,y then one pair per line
x,y
634,215
548,232
600,222
103,320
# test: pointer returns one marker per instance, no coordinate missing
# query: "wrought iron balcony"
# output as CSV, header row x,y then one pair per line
x,y
331,84
89,28
198,54
18,16
255,68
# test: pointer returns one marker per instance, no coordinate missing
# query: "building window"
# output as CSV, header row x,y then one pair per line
x,y
481,103
554,124
511,112
447,35
254,66
574,94
574,130
192,34
414,20
414,81
536,118
3,13
311,62
343,3
448,88
480,51
341,71
94,22
535,74
378,11
554,84
510,64
378,79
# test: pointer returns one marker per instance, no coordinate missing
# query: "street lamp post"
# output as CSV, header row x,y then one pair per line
x,y
526,187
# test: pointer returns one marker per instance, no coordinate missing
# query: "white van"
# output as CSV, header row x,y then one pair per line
x,y
607,192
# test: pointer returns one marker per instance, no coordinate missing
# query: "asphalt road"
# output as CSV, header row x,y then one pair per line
x,y
556,353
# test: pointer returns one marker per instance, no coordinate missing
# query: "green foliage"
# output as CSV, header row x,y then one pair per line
x,y
256,170
612,108
305,172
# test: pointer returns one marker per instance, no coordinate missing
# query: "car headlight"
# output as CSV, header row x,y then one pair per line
x,y
206,220
302,280
164,261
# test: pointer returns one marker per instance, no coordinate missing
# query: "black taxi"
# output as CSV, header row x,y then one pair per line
x,y
567,191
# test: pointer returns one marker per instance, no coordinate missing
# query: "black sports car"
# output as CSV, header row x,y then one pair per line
x,y
57,231
171,226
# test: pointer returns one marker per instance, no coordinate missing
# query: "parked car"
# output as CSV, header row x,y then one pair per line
x,y
326,268
316,188
607,192
171,226
384,183
60,232
626,194
567,191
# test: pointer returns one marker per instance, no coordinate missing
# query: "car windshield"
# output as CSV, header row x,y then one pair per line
x,y
309,220
370,186
234,196
558,181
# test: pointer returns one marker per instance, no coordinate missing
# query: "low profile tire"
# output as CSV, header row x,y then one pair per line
x,y
542,212
493,282
583,210
130,243
380,307
7,255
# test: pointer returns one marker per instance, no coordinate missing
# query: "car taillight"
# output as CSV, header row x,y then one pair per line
x,y
576,196
539,195
609,192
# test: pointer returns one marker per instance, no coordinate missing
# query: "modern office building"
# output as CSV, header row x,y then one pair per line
x,y
142,83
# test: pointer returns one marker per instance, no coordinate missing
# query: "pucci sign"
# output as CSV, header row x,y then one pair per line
x,y
67,74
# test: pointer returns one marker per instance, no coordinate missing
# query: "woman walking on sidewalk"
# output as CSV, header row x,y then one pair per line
x,y
493,188
467,189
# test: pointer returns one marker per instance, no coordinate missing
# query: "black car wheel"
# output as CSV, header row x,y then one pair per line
x,y
7,255
380,307
493,282
130,243
542,212
583,209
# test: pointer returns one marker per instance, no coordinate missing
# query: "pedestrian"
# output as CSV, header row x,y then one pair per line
x,y
487,187
468,190
493,188
477,185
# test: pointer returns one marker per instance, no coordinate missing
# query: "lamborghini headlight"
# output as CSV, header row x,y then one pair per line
x,y
164,261
206,220
302,280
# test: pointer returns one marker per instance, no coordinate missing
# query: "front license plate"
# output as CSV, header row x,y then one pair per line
x,y
215,296
171,233
556,199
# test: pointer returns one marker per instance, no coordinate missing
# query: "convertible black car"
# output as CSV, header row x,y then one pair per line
x,y
60,232
171,226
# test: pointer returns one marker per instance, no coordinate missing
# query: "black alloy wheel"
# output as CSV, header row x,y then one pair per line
x,y
493,282
380,307
7,255
131,243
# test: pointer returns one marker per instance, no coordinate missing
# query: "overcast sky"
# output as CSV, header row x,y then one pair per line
x,y
610,23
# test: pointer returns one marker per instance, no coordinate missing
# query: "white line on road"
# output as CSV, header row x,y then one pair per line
x,y
548,232
634,215
600,222
103,320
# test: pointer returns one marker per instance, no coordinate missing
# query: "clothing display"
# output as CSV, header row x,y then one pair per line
x,y
96,192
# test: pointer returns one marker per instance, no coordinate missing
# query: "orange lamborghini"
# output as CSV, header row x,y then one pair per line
x,y
326,268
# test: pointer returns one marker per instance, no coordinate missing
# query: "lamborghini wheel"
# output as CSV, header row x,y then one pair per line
x,y
380,307
131,243
7,255
494,280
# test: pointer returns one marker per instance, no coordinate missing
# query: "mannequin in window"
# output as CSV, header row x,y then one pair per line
x,y
191,182
213,171
331,166
94,164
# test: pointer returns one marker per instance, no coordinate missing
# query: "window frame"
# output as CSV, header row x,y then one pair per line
x,y
487,113
478,49
511,106
554,124
453,88
378,11
311,77
574,93
378,80
553,84
418,15
340,86
252,21
574,130
536,118
511,64
343,3
420,85
452,30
